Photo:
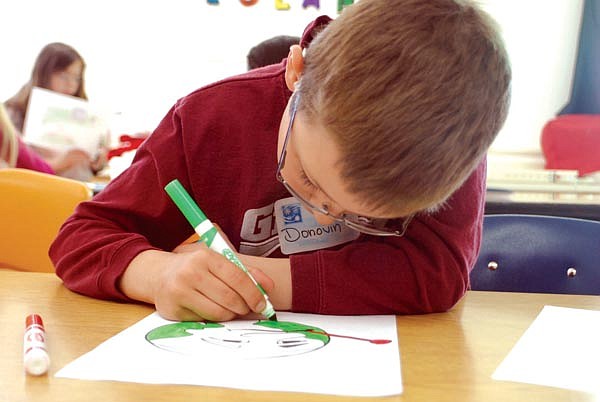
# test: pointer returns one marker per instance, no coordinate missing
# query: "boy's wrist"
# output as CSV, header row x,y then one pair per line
x,y
139,281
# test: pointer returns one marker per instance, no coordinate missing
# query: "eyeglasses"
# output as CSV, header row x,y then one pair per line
x,y
363,224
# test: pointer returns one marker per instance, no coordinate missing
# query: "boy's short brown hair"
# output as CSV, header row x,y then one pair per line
x,y
414,92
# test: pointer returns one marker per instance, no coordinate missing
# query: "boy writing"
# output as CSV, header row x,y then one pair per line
x,y
378,121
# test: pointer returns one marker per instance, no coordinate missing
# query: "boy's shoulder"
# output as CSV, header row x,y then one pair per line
x,y
257,85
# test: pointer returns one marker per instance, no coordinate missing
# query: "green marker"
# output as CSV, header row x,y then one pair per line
x,y
211,236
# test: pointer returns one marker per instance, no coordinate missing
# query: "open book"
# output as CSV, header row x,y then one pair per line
x,y
61,122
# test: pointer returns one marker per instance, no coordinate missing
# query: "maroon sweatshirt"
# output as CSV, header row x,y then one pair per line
x,y
221,143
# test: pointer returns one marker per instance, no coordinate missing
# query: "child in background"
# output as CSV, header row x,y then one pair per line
x,y
270,51
378,122
59,68
15,153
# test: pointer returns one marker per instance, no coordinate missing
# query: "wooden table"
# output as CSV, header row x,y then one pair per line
x,y
445,357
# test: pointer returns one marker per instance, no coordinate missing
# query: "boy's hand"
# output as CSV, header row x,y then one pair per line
x,y
199,283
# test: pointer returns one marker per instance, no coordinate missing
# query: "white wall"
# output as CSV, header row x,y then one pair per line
x,y
143,55
541,37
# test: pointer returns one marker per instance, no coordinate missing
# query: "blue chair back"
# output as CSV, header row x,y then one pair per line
x,y
538,254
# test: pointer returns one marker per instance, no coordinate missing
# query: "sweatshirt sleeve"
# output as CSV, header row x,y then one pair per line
x,y
96,244
28,159
425,271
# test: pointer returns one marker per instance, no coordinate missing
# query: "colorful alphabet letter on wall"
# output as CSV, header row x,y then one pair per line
x,y
308,3
344,3
282,5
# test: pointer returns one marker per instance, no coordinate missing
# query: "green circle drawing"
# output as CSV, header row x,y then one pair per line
x,y
264,339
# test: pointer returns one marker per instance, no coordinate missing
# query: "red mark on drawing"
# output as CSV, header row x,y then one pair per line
x,y
375,341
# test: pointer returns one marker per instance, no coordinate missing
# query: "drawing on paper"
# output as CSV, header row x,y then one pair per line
x,y
265,339
253,355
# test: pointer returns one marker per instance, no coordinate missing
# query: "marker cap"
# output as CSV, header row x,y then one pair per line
x,y
36,361
33,319
182,199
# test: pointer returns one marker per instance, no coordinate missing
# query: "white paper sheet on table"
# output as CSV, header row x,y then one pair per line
x,y
560,349
244,355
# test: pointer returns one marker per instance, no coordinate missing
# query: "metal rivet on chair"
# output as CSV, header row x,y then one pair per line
x,y
571,272
492,265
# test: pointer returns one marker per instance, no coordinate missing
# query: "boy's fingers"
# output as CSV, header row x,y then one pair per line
x,y
201,279
240,282
194,289
222,295
227,286
265,281
208,309
178,313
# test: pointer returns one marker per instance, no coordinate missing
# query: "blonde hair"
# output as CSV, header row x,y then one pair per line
x,y
413,92
9,147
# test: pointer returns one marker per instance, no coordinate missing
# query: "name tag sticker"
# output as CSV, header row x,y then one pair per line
x,y
299,231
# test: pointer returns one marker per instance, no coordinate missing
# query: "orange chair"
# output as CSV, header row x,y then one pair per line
x,y
33,206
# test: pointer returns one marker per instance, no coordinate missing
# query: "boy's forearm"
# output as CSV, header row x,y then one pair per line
x,y
278,269
139,279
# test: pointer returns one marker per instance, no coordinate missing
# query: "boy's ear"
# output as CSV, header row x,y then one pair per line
x,y
294,67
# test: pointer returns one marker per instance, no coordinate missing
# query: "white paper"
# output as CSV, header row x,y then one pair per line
x,y
246,355
61,122
560,349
